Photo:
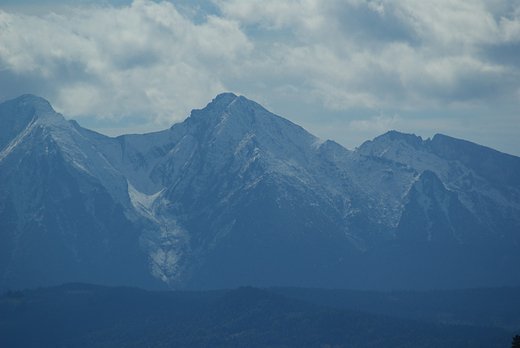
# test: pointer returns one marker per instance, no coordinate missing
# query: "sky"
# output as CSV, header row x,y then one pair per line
x,y
345,70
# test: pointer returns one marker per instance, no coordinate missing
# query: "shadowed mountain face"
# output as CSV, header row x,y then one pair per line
x,y
235,195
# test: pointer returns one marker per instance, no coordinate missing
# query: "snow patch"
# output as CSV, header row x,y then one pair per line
x,y
141,202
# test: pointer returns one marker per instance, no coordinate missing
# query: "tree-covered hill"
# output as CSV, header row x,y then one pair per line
x,y
81,315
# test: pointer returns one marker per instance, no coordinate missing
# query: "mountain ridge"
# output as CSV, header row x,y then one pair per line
x,y
235,195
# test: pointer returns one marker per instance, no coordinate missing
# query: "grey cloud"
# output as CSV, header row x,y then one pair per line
x,y
13,85
378,54
507,54
366,25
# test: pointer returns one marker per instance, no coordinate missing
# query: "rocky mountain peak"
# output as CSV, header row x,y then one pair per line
x,y
393,141
18,113
393,135
229,123
214,109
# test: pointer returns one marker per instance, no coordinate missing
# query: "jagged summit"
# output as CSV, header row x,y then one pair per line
x,y
382,143
214,108
228,105
229,123
224,99
396,135
408,148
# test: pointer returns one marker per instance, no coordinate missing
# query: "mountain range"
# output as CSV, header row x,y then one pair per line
x,y
236,195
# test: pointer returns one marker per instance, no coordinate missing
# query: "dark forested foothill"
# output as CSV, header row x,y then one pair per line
x,y
81,315
497,307
516,342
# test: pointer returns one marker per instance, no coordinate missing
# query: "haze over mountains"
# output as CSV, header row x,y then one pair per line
x,y
236,195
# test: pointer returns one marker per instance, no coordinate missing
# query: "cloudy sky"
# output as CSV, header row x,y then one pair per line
x,y
346,70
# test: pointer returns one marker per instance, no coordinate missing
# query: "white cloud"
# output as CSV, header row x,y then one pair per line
x,y
450,22
379,54
143,59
